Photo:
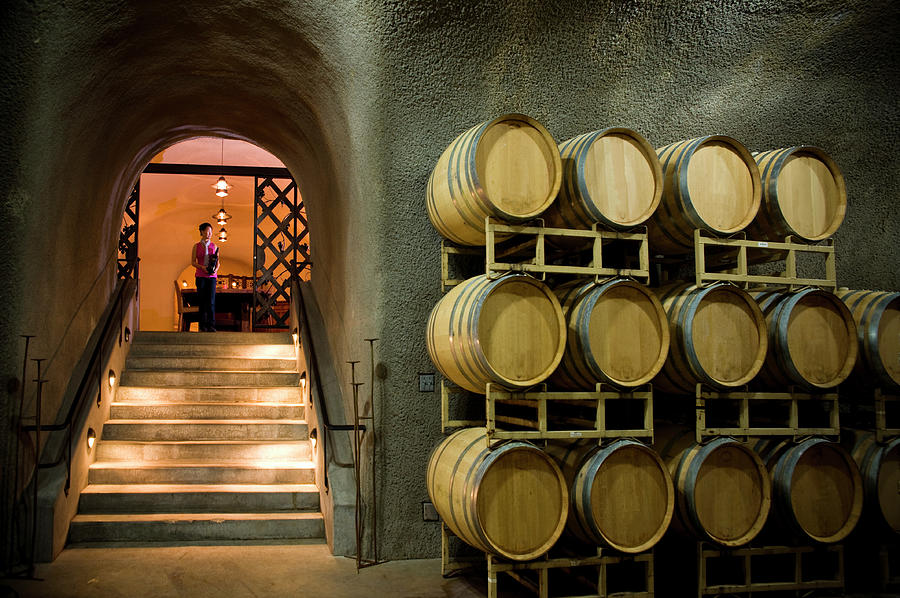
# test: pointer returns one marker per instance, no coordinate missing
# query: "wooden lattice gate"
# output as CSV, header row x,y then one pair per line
x,y
280,249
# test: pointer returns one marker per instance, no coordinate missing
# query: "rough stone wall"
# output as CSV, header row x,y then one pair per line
x,y
770,74
359,99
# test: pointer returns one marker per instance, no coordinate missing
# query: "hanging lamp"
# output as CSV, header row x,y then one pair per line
x,y
223,235
222,188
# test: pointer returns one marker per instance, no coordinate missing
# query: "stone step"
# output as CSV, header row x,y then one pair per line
x,y
209,378
185,410
185,429
185,472
248,351
197,498
191,363
203,450
180,527
283,394
216,338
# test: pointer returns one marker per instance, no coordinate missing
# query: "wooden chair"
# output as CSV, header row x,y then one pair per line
x,y
186,315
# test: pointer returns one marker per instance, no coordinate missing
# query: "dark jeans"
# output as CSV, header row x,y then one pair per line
x,y
206,295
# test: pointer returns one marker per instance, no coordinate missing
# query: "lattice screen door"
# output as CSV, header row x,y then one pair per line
x,y
280,247
127,266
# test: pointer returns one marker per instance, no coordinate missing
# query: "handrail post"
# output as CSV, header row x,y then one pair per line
x,y
371,342
37,459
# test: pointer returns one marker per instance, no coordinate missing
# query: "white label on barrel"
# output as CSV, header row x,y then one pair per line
x,y
762,244
575,434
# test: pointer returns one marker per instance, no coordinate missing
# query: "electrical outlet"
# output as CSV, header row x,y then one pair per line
x,y
429,513
426,382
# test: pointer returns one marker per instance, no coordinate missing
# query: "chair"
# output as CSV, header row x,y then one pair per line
x,y
186,315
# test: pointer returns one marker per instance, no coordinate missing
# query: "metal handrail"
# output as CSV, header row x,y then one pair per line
x,y
300,318
124,292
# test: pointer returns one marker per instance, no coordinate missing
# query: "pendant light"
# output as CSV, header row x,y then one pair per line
x,y
223,235
222,187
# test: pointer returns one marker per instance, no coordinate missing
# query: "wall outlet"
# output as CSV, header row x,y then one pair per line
x,y
426,382
429,513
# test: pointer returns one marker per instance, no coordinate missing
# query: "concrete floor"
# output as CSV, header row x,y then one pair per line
x,y
255,571
270,571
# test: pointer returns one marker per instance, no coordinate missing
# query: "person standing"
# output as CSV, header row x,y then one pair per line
x,y
205,260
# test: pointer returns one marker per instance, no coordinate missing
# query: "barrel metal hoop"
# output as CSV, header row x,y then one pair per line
x,y
874,311
453,517
471,170
593,213
592,295
458,348
781,317
473,485
691,478
664,213
693,216
458,169
574,190
775,214
475,318
686,326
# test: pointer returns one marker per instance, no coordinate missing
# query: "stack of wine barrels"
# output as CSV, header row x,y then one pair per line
x,y
512,500
514,331
515,499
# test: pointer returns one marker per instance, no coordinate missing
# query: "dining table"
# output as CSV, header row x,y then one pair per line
x,y
234,307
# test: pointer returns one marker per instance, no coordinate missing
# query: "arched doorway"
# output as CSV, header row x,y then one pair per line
x,y
259,223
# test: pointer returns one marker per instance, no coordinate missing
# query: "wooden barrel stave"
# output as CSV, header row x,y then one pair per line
x,y
877,317
510,500
722,489
509,331
507,168
617,333
611,177
812,340
717,337
879,466
816,488
605,484
725,202
803,195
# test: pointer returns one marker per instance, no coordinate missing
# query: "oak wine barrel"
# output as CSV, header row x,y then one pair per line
x,y
803,195
509,331
812,339
617,332
879,466
510,501
722,488
621,495
508,168
710,183
817,491
611,177
718,337
877,317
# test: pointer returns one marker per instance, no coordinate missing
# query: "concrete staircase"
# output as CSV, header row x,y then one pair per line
x,y
206,441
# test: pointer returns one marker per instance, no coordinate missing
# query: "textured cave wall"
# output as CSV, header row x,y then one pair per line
x,y
359,99
771,74
95,89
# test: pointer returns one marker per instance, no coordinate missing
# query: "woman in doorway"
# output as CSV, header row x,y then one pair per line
x,y
205,259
